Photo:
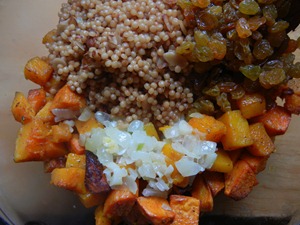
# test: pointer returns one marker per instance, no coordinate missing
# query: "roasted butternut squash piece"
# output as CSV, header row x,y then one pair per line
x,y
156,210
171,157
87,126
70,179
45,113
276,120
61,133
38,71
215,181
119,203
240,181
65,98
187,210
21,109
222,163
77,161
201,191
34,143
90,200
37,99
213,129
237,132
252,105
262,143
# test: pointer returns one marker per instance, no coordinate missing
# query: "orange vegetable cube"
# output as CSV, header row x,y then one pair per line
x,y
65,98
252,105
222,163
37,98
21,109
187,210
119,203
38,71
50,165
45,113
212,128
77,161
276,121
87,126
70,179
100,218
151,130
61,133
90,200
171,157
240,181
74,146
215,181
34,143
262,143
156,210
237,133
256,163
201,191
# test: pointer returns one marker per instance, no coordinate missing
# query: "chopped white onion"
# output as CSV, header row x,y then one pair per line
x,y
85,115
102,117
187,167
64,114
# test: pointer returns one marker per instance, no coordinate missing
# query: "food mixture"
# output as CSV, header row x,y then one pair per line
x,y
148,109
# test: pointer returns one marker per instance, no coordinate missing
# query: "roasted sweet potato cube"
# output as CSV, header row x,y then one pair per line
x,y
213,129
235,155
187,209
223,162
38,71
37,98
256,163
74,146
157,210
237,132
276,121
34,143
240,181
201,191
87,126
215,181
70,179
119,203
262,143
65,98
61,133
252,105
90,200
136,217
292,103
21,109
77,161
